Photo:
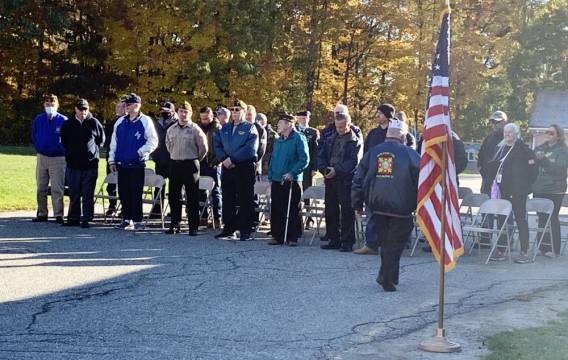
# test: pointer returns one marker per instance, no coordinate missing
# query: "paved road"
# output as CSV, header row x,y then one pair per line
x,y
104,294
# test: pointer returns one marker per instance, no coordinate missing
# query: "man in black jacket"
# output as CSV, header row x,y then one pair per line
x,y
386,181
488,150
161,156
120,111
81,137
337,161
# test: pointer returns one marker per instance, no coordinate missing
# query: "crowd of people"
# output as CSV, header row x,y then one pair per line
x,y
237,147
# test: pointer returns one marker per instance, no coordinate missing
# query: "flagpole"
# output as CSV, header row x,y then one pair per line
x,y
439,343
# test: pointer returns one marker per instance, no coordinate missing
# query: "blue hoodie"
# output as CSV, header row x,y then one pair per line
x,y
46,134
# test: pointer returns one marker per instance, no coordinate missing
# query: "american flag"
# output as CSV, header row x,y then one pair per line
x,y
437,131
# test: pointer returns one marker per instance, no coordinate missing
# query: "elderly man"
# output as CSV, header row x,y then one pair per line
x,y
187,145
386,182
81,136
210,164
133,140
337,161
289,160
50,162
236,146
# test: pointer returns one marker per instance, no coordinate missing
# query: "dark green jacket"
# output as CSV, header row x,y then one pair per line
x,y
552,170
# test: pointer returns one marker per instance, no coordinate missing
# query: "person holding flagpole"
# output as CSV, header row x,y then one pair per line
x,y
386,181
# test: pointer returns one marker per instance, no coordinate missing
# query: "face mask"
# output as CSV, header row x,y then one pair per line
x,y
50,110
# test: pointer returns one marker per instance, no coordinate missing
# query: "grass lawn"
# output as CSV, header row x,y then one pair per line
x,y
549,342
17,180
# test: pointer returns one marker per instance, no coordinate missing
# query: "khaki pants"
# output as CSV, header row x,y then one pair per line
x,y
50,170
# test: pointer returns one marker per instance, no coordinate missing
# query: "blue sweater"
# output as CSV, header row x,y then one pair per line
x,y
289,155
132,141
240,146
46,134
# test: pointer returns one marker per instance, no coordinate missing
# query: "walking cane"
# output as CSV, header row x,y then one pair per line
x,y
288,215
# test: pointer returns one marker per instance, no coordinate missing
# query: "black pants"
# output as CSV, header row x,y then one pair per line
x,y
306,183
130,188
162,169
392,234
338,210
111,190
554,222
185,173
519,203
81,192
237,185
279,194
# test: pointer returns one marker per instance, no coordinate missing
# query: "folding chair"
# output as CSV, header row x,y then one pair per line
x,y
110,179
206,183
464,192
564,223
151,182
316,209
469,202
495,208
536,206
417,234
262,190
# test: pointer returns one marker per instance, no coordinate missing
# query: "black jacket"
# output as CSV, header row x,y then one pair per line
x,y
81,141
460,156
519,169
161,155
386,180
378,136
312,137
486,153
351,155
552,169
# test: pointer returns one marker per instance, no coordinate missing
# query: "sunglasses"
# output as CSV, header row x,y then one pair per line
x,y
236,109
83,109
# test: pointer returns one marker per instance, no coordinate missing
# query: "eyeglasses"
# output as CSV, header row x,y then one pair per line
x,y
551,132
236,109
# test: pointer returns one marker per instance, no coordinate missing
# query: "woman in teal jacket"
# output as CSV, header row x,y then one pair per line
x,y
290,157
552,160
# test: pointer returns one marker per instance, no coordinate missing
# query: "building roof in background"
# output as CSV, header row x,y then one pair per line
x,y
551,107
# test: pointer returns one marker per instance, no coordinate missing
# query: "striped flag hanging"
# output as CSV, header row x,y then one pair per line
x,y
437,131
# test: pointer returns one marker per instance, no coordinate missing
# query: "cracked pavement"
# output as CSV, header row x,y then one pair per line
x,y
101,293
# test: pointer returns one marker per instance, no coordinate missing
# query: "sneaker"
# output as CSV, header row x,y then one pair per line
x,y
365,250
225,235
498,256
40,219
550,254
138,226
123,224
523,259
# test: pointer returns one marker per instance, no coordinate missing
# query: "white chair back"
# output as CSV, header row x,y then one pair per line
x,y
474,200
262,188
111,178
154,180
540,205
206,183
316,192
496,207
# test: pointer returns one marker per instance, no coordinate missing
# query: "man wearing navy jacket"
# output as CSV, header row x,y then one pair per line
x,y
386,181
337,161
50,163
236,146
81,136
133,140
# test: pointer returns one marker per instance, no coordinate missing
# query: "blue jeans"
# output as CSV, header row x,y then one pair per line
x,y
216,198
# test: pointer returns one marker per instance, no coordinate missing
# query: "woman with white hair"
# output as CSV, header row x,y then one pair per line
x,y
516,172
